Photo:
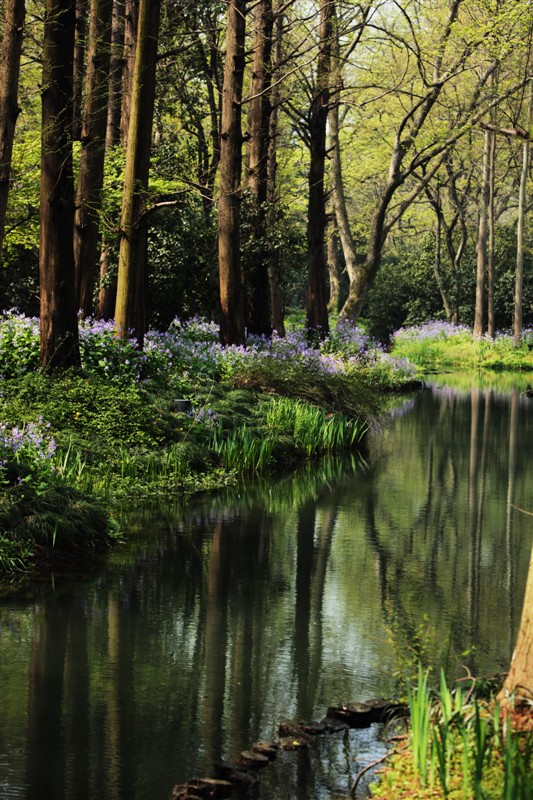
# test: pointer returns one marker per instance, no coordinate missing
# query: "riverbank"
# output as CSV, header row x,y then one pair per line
x,y
181,417
461,745
439,346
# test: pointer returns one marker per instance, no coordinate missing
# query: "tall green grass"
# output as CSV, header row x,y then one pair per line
x,y
460,747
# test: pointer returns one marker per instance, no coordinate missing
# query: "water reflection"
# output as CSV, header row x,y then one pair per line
x,y
271,601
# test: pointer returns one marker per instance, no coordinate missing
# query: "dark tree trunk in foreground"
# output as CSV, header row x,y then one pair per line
x,y
257,284
14,13
229,258
91,171
59,324
317,301
130,307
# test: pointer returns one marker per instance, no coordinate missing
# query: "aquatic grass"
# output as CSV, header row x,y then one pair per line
x,y
419,702
314,431
459,747
242,450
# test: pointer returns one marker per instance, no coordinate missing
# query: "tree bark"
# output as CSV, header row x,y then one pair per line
x,y
274,260
130,305
520,234
80,47
131,14
519,681
115,75
59,325
482,239
14,14
91,170
334,267
229,259
258,320
317,323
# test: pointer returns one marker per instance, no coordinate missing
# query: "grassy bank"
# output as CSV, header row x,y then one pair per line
x,y
461,745
183,416
438,346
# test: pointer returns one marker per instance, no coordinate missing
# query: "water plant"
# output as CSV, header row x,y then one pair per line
x,y
460,747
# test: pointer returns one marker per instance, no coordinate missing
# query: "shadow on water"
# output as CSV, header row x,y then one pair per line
x,y
271,601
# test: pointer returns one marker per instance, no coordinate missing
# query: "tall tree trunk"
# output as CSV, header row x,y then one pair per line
x,y
437,269
482,238
339,197
130,310
491,222
91,171
107,292
131,22
80,47
14,13
317,308
59,324
115,75
522,203
334,267
258,319
229,259
274,260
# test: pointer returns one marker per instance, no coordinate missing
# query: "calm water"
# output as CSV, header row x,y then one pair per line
x,y
215,622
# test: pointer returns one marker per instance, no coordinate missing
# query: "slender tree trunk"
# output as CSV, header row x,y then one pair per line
x,y
366,273
437,269
59,324
274,260
317,309
115,75
481,271
334,267
229,260
258,320
520,235
491,221
91,171
130,310
131,13
80,47
14,13
107,292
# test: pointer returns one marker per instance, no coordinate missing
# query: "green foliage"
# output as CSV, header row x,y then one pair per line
x,y
459,747
439,345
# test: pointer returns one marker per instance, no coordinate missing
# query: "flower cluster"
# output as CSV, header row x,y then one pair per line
x,y
436,329
31,443
191,347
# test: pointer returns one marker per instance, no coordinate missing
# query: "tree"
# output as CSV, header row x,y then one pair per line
x,y
229,259
519,681
59,324
449,55
258,318
317,303
130,306
522,200
14,13
93,137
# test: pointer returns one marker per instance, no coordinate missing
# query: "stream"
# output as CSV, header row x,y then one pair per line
x,y
217,619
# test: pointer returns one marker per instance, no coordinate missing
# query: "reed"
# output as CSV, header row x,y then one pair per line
x,y
419,701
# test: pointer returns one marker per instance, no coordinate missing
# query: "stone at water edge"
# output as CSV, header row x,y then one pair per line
x,y
267,749
250,760
293,743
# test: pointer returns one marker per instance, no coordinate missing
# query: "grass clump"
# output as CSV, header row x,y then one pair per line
x,y
460,747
